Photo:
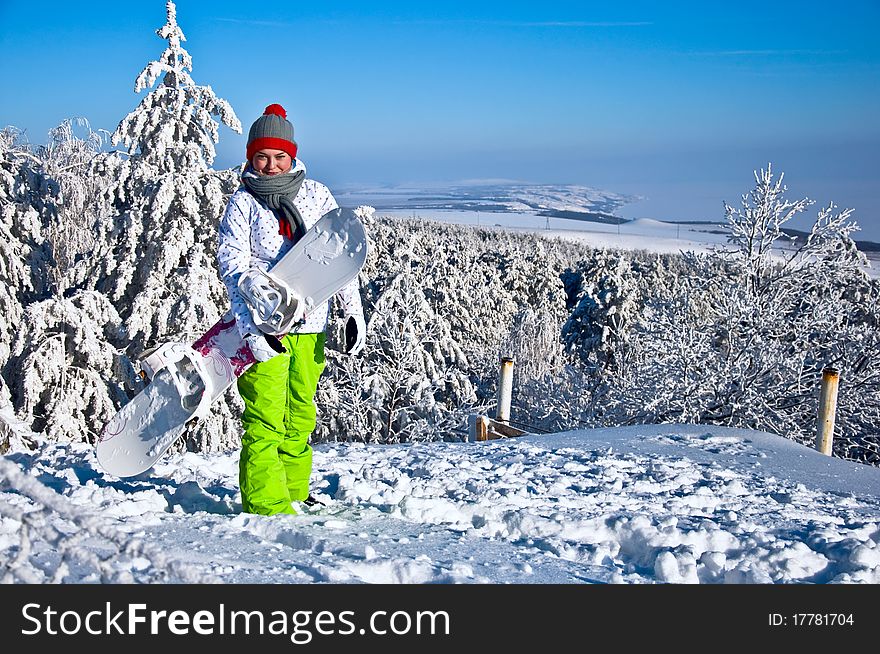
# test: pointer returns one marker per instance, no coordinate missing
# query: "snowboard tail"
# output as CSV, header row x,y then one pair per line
x,y
187,379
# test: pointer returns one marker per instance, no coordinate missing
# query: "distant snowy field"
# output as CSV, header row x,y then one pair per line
x,y
649,504
641,234
501,196
540,208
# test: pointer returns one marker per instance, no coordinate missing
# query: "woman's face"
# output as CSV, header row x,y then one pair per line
x,y
271,162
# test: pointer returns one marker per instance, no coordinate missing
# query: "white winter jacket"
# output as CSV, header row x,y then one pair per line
x,y
250,238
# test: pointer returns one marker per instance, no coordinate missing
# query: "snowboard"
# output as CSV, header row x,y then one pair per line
x,y
186,379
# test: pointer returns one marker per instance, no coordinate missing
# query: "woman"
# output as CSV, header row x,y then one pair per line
x,y
272,209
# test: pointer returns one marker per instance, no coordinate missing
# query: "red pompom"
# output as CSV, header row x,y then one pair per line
x,y
276,109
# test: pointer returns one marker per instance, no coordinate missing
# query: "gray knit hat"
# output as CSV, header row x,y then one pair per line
x,y
271,130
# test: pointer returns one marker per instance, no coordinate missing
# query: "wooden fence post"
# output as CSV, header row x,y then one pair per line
x,y
478,428
505,390
827,410
483,428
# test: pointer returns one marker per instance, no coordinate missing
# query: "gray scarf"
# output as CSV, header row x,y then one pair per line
x,y
278,192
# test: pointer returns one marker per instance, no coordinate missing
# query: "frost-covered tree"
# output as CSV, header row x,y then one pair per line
x,y
857,354
420,370
411,382
607,291
162,277
15,436
137,227
174,126
534,343
785,306
744,337
663,372
443,303
608,303
551,387
73,224
25,200
69,376
477,279
59,359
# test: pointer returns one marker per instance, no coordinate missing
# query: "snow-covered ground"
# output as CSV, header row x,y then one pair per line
x,y
647,504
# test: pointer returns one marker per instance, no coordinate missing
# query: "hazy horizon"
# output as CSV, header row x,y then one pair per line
x,y
680,104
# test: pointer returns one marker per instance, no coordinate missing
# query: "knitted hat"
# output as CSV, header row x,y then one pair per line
x,y
271,130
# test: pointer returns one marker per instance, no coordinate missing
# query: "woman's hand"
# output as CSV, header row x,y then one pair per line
x,y
355,333
264,346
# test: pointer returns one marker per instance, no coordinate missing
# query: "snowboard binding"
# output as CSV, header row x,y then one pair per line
x,y
276,308
186,368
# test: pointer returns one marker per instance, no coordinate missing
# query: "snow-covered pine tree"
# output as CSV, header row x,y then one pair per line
x,y
411,381
606,292
608,303
23,249
69,376
162,277
174,126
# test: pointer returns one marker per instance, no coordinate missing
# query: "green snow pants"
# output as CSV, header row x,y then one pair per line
x,y
279,415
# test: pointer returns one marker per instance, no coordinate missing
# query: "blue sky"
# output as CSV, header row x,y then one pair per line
x,y
679,101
